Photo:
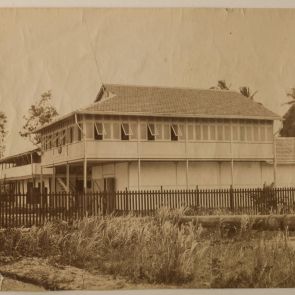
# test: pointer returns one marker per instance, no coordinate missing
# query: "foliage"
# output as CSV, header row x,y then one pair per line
x,y
288,129
221,84
161,250
291,94
39,114
3,133
266,200
244,90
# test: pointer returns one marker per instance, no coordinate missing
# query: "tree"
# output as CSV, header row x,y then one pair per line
x,y
244,90
3,133
221,84
39,114
291,93
288,129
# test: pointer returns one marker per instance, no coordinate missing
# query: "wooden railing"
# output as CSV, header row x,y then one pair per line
x,y
36,209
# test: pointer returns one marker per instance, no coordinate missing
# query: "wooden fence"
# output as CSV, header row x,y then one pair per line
x,y
209,201
35,209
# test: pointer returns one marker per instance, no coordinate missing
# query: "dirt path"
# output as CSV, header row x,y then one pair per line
x,y
39,275
15,285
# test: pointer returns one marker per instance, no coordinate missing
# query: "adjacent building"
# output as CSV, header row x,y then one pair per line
x,y
22,173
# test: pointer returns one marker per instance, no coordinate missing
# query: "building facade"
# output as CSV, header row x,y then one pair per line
x,y
138,137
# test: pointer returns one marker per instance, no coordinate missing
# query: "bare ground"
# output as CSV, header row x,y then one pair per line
x,y
36,274
15,285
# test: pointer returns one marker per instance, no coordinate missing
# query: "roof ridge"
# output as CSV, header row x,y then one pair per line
x,y
169,87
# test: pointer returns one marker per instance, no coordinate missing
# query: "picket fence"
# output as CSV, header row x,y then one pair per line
x,y
36,209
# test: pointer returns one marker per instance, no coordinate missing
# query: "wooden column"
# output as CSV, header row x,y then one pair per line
x,y
232,155
232,171
186,152
32,167
41,185
139,172
274,162
54,180
68,184
83,131
85,175
68,177
187,171
138,155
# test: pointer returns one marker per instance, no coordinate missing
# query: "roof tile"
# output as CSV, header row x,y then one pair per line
x,y
178,101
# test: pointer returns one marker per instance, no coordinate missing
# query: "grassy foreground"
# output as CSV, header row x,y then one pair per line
x,y
161,250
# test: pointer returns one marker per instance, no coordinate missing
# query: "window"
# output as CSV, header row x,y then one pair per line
x,y
89,130
70,135
249,132
80,131
159,131
227,132
116,130
107,130
262,132
43,142
242,132
212,131
269,133
49,142
198,132
60,137
151,131
56,141
133,129
235,131
190,132
205,129
220,132
166,132
181,132
63,137
143,131
256,132
98,131
125,131
174,132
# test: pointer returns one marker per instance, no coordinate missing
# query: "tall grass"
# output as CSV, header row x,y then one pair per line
x,y
160,250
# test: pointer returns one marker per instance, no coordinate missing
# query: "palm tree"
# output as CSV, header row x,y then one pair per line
x,y
244,90
291,93
221,84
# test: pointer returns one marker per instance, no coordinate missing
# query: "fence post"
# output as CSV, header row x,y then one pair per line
x,y
104,202
231,198
276,200
197,197
126,200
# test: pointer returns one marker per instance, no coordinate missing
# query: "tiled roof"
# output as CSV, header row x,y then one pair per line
x,y
145,100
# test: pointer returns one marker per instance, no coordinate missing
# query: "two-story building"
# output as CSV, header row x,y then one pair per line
x,y
139,137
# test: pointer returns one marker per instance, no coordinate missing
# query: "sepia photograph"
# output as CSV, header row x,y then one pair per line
x,y
147,148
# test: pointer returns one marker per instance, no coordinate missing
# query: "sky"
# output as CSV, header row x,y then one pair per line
x,y
72,51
